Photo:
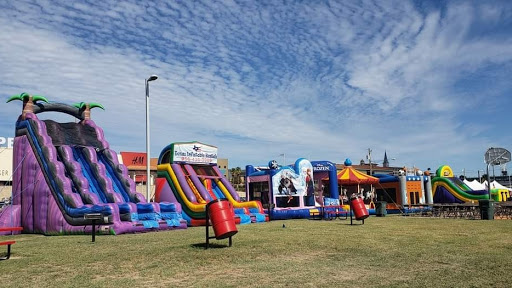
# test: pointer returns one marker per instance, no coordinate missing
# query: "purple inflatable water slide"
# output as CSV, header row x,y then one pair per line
x,y
65,175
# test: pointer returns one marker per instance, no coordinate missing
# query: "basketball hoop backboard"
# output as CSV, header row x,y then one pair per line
x,y
497,156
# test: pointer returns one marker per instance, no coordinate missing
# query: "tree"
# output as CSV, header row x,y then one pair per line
x,y
86,108
236,173
28,102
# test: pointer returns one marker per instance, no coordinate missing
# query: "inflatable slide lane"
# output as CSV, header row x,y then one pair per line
x,y
449,189
65,175
193,185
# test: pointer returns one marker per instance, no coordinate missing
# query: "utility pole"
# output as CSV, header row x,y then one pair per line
x,y
369,156
284,158
370,161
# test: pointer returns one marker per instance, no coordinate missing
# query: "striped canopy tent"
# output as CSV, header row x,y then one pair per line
x,y
350,176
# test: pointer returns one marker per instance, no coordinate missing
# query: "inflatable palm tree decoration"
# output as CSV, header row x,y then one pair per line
x,y
86,108
28,102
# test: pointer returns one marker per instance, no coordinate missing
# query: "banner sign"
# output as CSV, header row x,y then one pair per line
x,y
5,165
194,153
321,167
287,182
131,159
6,142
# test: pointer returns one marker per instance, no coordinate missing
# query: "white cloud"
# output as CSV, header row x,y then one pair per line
x,y
260,79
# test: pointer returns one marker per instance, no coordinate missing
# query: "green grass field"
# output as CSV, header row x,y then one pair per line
x,y
392,251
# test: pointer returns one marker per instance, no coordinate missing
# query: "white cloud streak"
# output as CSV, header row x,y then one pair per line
x,y
257,79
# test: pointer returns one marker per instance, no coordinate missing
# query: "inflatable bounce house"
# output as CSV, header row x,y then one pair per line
x,y
188,174
499,192
292,191
66,178
411,187
450,189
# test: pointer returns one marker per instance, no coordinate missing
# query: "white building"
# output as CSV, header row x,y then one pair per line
x,y
5,171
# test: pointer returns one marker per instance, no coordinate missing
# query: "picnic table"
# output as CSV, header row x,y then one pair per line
x,y
330,212
9,242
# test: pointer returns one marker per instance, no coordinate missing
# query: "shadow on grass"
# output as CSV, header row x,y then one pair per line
x,y
210,246
355,224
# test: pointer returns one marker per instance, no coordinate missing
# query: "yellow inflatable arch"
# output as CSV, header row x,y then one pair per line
x,y
444,171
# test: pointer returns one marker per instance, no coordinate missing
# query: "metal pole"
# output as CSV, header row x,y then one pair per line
x,y
148,157
488,182
370,159
93,230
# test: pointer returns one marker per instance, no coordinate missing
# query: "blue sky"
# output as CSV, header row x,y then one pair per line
x,y
428,82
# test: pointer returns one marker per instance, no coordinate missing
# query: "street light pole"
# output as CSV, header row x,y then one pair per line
x,y
148,157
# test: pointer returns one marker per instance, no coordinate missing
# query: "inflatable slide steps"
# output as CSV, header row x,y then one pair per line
x,y
259,217
244,218
171,215
149,218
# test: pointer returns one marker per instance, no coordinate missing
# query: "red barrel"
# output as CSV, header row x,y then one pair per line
x,y
222,217
360,211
